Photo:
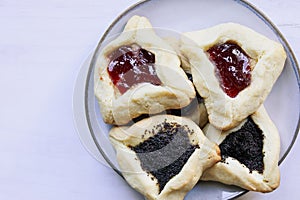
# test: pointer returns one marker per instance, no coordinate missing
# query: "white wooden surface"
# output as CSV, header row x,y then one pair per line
x,y
42,45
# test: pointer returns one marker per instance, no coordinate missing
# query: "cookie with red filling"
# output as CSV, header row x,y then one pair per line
x,y
234,68
139,73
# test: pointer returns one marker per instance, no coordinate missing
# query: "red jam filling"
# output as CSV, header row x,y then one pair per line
x,y
130,65
232,67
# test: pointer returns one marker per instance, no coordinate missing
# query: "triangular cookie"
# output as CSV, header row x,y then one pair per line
x,y
139,73
163,156
250,154
233,68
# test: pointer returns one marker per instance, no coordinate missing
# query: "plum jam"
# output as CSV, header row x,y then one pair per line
x,y
232,67
164,154
245,145
130,65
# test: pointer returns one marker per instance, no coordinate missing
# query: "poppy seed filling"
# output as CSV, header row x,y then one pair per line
x,y
164,154
245,145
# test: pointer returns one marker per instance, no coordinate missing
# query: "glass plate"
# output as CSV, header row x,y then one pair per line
x,y
282,103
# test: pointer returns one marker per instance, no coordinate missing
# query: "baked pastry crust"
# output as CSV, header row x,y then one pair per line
x,y
175,92
199,114
175,43
267,61
177,187
232,172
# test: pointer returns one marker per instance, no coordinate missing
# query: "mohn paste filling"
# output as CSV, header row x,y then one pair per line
x,y
164,154
245,145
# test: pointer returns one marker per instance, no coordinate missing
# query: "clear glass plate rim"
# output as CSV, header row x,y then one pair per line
x,y
244,3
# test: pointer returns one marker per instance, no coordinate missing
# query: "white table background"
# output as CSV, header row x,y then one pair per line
x,y
42,46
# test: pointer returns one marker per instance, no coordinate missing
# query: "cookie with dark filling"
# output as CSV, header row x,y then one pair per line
x,y
246,146
250,154
163,156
